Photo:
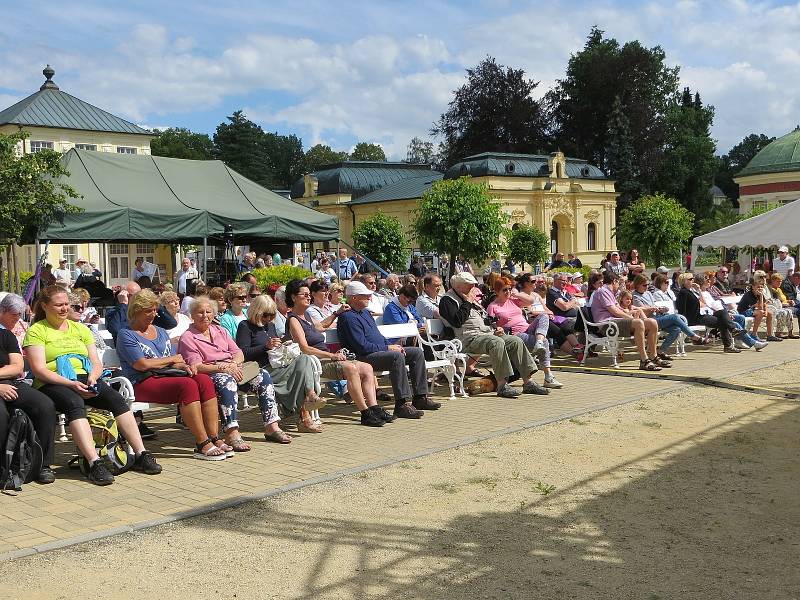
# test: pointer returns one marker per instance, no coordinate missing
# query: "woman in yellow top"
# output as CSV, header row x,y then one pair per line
x,y
67,368
787,307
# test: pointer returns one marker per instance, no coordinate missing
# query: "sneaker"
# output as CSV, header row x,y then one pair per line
x,y
539,351
407,411
760,345
740,344
425,403
99,473
371,419
534,388
385,415
507,391
145,431
732,349
774,338
46,475
553,383
146,463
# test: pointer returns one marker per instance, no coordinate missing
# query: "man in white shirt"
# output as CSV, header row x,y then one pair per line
x,y
784,264
62,273
428,301
187,272
138,269
377,303
76,272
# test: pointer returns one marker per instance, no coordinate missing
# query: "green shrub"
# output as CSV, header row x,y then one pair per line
x,y
282,274
584,269
8,279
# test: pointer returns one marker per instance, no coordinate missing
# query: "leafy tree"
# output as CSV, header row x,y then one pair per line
x,y
179,142
240,144
285,159
528,244
319,155
581,104
657,225
365,151
456,217
736,160
420,152
382,239
621,165
687,167
720,216
493,110
31,197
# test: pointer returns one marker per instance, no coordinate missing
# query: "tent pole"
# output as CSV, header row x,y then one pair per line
x,y
203,266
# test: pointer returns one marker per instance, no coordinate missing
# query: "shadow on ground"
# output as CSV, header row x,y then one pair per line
x,y
718,518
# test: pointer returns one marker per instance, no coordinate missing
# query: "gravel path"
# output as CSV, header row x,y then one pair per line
x,y
691,495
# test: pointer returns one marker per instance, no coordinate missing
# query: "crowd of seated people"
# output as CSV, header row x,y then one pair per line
x,y
199,347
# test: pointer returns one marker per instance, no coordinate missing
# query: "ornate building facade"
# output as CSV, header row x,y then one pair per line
x,y
772,176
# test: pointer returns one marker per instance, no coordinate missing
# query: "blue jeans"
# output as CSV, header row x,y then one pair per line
x,y
227,389
748,339
673,325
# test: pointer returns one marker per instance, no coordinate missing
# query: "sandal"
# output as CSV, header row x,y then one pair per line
x,y
279,437
238,444
660,362
648,365
306,424
211,453
313,402
226,448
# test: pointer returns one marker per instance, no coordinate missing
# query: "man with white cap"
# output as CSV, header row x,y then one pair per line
x,y
783,264
359,333
62,273
77,271
460,310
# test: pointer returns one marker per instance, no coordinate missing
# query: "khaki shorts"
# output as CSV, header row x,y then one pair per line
x,y
334,370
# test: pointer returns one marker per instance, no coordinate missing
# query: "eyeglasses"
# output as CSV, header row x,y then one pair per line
x,y
269,315
723,271
76,307
305,294
369,283
688,278
256,295
243,298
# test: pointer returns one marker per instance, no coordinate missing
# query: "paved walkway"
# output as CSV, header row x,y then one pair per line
x,y
41,518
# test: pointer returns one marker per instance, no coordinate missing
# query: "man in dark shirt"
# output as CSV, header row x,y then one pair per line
x,y
117,316
359,333
574,261
721,282
558,262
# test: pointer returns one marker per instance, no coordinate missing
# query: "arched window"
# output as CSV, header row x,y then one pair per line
x,y
553,237
591,236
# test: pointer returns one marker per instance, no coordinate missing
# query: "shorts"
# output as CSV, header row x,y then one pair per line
x,y
334,370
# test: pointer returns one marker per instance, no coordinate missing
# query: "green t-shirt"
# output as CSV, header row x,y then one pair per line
x,y
73,340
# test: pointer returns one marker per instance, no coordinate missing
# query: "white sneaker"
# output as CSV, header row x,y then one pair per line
x,y
553,383
760,345
740,344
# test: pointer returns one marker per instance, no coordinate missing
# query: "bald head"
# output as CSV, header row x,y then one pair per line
x,y
132,288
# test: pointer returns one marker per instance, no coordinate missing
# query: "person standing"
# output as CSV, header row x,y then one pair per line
x,y
182,278
783,264
62,274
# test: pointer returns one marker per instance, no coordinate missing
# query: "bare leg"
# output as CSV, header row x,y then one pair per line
x,y
192,416
651,329
127,424
638,335
82,434
210,411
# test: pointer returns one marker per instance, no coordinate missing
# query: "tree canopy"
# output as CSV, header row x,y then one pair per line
x,y
179,142
381,238
528,244
320,155
366,151
658,226
420,152
493,111
736,159
456,217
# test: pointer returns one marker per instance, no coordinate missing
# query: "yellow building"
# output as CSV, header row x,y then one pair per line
x,y
59,121
569,198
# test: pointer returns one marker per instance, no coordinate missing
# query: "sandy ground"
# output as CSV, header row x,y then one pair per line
x,y
691,495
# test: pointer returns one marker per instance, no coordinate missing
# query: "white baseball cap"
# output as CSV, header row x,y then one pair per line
x,y
356,288
464,278
662,269
783,249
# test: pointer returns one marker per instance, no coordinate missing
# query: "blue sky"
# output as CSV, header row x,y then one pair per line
x,y
381,71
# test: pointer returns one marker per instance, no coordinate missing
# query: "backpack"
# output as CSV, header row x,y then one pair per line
x,y
22,457
110,446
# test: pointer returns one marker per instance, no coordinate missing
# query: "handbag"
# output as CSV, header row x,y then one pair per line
x,y
250,370
283,355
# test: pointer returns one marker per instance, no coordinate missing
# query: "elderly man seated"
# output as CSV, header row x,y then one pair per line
x,y
462,311
789,286
359,333
630,322
428,301
377,302
392,285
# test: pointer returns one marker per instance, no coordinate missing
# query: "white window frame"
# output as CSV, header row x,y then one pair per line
x,y
39,145
127,150
92,147
70,253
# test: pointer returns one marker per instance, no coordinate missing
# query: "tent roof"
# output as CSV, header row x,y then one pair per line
x,y
152,198
777,227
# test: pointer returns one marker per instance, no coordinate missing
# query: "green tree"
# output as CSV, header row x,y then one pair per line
x,y
580,106
720,216
736,160
494,110
285,159
657,225
687,167
240,145
179,142
527,244
456,217
420,152
382,239
320,155
621,165
366,151
31,196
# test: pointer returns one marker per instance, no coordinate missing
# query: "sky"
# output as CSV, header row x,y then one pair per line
x,y
338,72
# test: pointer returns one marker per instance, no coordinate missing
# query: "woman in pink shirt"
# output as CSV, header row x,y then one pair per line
x,y
507,309
212,350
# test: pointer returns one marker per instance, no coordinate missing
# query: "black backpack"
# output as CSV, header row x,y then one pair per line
x,y
22,456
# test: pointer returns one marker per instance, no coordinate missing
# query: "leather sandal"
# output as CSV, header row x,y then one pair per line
x,y
313,402
648,365
279,437
226,448
239,445
213,452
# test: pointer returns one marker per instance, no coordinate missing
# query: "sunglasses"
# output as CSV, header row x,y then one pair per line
x,y
240,297
305,294
76,307
254,295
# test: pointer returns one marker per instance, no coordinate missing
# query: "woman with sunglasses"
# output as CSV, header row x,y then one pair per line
x,y
507,309
236,299
687,303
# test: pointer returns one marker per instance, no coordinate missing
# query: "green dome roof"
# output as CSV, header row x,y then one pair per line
x,y
780,156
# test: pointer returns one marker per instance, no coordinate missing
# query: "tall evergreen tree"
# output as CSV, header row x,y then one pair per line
x,y
493,110
285,157
240,144
620,160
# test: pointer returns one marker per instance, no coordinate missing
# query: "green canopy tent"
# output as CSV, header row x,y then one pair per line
x,y
169,200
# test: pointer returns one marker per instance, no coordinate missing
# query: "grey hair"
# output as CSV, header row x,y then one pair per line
x,y
13,303
195,304
280,293
87,269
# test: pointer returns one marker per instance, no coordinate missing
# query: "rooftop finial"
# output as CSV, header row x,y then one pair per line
x,y
49,84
